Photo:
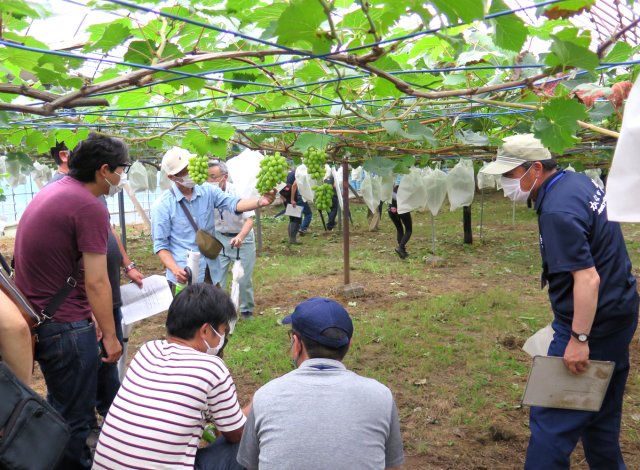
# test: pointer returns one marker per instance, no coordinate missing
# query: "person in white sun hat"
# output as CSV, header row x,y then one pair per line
x,y
593,297
172,232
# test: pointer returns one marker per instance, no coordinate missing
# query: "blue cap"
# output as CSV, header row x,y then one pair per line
x,y
312,317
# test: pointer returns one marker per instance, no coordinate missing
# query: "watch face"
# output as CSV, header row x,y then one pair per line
x,y
582,338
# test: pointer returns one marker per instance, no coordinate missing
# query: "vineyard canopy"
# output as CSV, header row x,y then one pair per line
x,y
391,83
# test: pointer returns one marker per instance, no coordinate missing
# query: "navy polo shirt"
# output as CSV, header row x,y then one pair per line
x,y
575,234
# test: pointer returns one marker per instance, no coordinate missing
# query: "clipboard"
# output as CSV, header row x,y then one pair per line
x,y
551,385
293,211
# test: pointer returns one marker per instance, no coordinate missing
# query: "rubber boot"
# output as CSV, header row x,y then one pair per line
x,y
293,233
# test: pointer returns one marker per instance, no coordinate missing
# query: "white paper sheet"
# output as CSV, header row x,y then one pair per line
x,y
538,344
138,304
293,211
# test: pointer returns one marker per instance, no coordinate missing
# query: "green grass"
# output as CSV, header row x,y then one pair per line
x,y
445,339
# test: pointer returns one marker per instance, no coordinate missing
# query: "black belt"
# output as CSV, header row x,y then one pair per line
x,y
227,234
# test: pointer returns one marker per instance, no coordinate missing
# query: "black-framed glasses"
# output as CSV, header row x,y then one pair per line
x,y
125,167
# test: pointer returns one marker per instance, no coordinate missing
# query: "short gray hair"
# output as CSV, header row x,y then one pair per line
x,y
220,164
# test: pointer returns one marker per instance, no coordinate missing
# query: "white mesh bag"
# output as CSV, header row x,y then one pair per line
x,y
461,184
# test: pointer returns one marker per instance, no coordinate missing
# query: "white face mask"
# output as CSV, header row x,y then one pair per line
x,y
215,184
185,181
512,189
115,188
215,350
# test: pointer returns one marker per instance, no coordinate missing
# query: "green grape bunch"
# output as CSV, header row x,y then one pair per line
x,y
273,170
314,160
199,169
322,196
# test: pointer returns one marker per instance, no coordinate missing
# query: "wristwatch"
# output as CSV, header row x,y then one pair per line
x,y
131,266
582,337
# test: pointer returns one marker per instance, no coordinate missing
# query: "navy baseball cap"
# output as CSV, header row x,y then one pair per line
x,y
312,317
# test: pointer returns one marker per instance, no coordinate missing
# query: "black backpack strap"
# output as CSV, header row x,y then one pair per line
x,y
186,211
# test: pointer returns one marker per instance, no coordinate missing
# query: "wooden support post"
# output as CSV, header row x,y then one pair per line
x,y
466,222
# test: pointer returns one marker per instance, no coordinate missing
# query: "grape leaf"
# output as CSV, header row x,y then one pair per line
x,y
510,31
380,166
301,21
556,123
569,54
620,52
465,10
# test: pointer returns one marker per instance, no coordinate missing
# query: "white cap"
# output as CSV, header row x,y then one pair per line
x,y
516,150
175,160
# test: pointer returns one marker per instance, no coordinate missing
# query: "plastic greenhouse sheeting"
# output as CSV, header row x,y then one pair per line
x,y
435,181
412,191
461,184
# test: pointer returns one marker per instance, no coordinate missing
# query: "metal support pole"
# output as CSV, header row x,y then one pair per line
x,y
345,217
122,219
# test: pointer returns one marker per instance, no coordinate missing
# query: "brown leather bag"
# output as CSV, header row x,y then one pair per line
x,y
33,318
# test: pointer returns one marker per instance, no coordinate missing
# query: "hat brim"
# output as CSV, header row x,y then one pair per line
x,y
499,167
287,320
181,168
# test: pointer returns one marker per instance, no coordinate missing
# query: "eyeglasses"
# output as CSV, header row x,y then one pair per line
x,y
125,168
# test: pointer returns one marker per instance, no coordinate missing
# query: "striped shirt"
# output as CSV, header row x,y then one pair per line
x,y
157,418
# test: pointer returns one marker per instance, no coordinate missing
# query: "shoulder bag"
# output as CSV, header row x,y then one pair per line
x,y
207,243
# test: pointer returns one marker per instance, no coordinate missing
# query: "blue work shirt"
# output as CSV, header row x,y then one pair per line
x,y
172,231
575,234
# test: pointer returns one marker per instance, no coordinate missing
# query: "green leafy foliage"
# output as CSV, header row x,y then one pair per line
x,y
556,123
417,89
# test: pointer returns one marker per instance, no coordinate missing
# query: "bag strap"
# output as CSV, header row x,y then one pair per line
x,y
56,301
59,297
186,211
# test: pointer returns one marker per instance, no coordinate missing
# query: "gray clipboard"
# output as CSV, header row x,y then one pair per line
x,y
551,384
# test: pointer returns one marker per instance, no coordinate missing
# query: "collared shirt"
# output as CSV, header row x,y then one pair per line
x,y
228,221
171,229
576,234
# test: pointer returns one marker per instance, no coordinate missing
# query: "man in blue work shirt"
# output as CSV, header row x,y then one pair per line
x,y
172,232
593,296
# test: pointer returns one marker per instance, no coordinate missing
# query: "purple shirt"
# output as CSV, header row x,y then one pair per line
x,y
62,221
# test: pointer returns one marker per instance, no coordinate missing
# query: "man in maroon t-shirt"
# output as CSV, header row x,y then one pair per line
x,y
65,226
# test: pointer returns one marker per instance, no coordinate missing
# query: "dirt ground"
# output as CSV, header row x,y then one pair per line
x,y
433,441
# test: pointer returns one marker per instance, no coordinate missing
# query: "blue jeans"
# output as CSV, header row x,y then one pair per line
x,y
555,432
306,215
108,376
220,455
68,356
248,260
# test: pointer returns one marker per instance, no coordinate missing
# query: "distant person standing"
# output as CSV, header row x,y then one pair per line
x,y
403,223
235,232
61,246
60,155
290,195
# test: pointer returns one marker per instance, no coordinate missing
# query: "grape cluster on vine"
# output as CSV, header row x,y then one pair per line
x,y
273,170
199,169
322,196
315,160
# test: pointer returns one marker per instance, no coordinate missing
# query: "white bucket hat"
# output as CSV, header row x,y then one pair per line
x,y
175,160
516,150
